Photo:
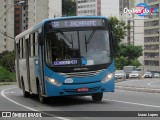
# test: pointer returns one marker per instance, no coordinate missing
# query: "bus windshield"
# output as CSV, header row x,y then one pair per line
x,y
77,48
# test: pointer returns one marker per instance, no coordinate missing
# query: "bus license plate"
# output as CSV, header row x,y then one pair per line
x,y
82,90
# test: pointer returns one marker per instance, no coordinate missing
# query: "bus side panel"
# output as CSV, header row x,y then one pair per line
x,y
33,75
17,67
23,73
17,78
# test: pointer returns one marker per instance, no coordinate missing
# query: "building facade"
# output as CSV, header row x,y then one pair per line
x,y
20,16
39,10
97,8
7,25
16,18
135,35
152,39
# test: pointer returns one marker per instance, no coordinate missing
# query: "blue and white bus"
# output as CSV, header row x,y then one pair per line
x,y
66,56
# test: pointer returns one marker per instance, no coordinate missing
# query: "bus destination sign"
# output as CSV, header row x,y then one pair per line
x,y
73,23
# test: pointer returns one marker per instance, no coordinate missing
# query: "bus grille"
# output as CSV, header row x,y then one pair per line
x,y
81,74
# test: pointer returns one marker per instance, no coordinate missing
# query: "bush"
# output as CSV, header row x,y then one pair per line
x,y
6,76
7,60
120,62
136,63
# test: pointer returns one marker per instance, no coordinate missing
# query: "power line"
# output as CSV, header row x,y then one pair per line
x,y
5,13
6,35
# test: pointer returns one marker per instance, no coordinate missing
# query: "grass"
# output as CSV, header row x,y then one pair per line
x,y
7,83
6,76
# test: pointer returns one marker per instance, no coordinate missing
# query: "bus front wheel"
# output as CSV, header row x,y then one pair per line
x,y
97,97
42,99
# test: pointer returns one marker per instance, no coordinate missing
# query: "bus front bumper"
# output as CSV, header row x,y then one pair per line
x,y
79,89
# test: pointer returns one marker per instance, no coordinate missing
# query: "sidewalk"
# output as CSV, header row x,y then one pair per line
x,y
140,85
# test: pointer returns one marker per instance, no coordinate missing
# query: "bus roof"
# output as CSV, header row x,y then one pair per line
x,y
35,27
74,17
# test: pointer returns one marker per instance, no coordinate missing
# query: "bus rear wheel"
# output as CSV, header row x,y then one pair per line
x,y
42,99
97,97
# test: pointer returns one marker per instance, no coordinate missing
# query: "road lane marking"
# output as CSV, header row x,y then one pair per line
x,y
3,94
150,83
138,92
140,104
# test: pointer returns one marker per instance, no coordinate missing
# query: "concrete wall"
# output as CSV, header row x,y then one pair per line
x,y
7,25
110,8
43,9
55,8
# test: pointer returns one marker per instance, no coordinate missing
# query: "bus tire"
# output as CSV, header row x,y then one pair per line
x,y
41,98
25,93
97,97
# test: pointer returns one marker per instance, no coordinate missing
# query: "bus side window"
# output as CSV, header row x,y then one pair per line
x,y
33,44
24,54
29,45
18,48
36,43
21,48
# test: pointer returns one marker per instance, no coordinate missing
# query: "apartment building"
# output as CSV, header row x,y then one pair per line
x,y
20,16
128,19
152,39
135,35
7,25
97,8
16,18
43,9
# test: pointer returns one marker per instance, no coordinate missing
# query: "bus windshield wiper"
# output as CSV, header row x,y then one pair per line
x,y
90,37
64,36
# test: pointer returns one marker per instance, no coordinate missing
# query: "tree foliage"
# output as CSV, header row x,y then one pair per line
x,y
131,52
136,63
119,32
124,54
6,75
120,62
68,8
7,60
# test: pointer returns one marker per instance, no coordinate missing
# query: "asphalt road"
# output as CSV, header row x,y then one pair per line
x,y
11,99
151,83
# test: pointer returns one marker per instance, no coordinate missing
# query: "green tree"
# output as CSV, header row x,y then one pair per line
x,y
120,62
136,63
7,60
119,32
68,8
124,54
131,52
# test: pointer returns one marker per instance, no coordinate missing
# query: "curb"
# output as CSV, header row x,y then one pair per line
x,y
138,89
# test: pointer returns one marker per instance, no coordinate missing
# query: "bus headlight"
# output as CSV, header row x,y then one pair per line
x,y
107,78
54,81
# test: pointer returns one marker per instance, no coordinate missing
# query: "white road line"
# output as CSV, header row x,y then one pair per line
x,y
139,92
140,104
150,83
2,93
